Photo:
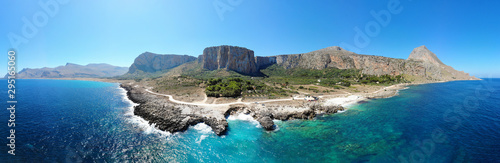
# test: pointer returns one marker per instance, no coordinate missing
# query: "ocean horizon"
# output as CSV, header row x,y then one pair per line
x,y
85,121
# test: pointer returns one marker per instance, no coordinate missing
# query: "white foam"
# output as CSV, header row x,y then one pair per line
x,y
245,117
137,121
343,101
198,140
204,129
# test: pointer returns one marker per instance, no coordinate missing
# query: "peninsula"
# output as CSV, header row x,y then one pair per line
x,y
176,91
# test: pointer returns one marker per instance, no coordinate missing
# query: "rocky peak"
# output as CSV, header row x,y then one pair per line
x,y
423,54
72,64
336,50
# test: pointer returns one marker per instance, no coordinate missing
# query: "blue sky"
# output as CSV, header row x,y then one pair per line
x,y
463,34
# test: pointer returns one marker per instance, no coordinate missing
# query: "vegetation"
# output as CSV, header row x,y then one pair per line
x,y
234,87
383,79
328,77
230,87
274,82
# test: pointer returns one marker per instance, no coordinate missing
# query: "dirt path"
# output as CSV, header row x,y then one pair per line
x,y
203,104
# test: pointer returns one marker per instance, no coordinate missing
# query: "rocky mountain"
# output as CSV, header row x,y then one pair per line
x,y
71,70
151,62
421,66
423,54
234,58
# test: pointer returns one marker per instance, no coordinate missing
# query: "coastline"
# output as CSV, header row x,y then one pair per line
x,y
164,113
264,114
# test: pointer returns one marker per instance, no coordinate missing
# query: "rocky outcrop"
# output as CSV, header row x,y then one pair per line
x,y
71,70
265,114
233,58
171,117
168,116
151,62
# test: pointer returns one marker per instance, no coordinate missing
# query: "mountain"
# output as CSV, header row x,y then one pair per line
x,y
422,65
71,70
423,54
150,62
234,58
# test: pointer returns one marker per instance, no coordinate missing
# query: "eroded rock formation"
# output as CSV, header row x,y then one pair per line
x,y
229,57
171,117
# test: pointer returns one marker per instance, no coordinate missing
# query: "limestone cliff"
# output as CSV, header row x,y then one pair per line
x,y
151,62
234,58
422,65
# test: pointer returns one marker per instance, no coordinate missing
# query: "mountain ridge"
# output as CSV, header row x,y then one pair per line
x,y
422,65
71,70
151,62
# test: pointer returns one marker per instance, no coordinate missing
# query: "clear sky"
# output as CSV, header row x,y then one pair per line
x,y
463,34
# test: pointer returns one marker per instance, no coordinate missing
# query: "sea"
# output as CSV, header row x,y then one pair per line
x,y
88,121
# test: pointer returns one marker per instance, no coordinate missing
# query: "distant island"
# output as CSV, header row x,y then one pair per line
x,y
177,91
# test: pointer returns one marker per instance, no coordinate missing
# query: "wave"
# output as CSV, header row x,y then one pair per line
x,y
205,131
142,124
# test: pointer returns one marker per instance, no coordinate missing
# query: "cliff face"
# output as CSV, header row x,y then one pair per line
x,y
150,62
422,63
71,70
229,57
263,62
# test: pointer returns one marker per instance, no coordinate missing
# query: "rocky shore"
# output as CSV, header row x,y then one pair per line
x,y
266,114
173,117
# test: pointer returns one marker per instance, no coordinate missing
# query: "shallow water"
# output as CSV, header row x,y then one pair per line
x,y
69,121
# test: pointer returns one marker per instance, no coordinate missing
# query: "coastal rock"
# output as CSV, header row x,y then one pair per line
x,y
178,117
151,62
266,122
168,116
318,108
233,58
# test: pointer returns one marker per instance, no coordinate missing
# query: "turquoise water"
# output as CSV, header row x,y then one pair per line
x,y
72,121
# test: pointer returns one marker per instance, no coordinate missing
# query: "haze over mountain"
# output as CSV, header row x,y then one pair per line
x,y
71,70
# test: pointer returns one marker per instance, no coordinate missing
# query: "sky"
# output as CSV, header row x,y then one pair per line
x,y
50,33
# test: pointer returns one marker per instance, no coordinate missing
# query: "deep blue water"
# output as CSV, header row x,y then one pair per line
x,y
72,121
